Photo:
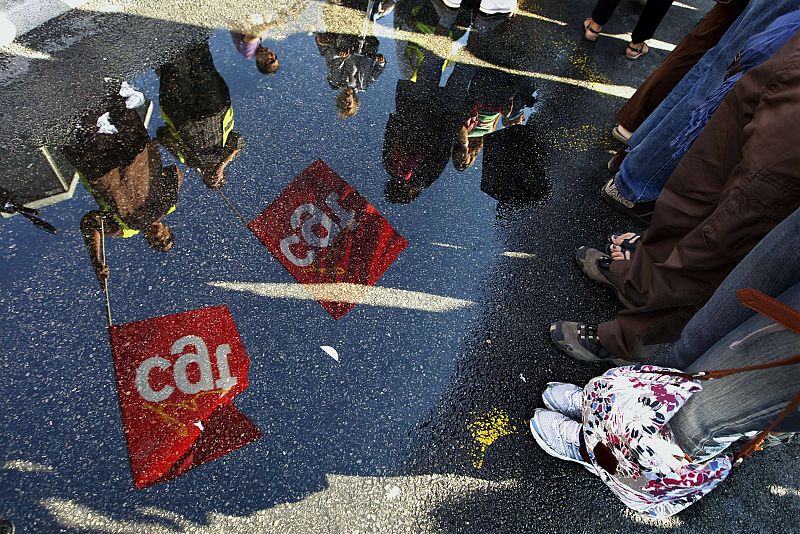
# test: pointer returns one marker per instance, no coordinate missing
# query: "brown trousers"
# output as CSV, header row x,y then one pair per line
x,y
658,85
740,179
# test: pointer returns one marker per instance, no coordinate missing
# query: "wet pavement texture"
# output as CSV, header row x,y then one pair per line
x,y
420,425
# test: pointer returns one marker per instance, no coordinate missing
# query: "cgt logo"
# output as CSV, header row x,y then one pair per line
x,y
309,220
146,374
176,391
324,232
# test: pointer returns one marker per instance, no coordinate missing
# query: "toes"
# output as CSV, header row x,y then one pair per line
x,y
624,255
618,239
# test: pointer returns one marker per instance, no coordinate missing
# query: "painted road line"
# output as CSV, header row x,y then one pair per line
x,y
20,16
385,297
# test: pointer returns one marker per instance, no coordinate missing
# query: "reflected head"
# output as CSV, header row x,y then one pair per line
x,y
213,176
266,61
347,103
464,156
159,236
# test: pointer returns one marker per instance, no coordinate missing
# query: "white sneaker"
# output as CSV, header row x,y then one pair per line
x,y
563,398
559,436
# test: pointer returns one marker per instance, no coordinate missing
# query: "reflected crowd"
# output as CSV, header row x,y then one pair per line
x,y
707,169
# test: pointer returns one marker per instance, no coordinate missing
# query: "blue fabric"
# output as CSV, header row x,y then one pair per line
x,y
649,162
745,402
757,50
725,334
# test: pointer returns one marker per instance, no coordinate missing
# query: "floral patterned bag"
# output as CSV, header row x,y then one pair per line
x,y
625,416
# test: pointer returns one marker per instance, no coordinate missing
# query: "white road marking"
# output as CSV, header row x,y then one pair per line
x,y
26,466
355,293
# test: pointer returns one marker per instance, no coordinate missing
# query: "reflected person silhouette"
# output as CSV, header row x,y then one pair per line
x,y
248,40
124,173
353,64
417,141
196,108
495,100
419,133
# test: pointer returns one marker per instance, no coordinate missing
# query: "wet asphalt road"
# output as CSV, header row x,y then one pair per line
x,y
420,425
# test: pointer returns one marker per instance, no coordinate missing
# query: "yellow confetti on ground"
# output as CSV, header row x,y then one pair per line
x,y
487,429
581,138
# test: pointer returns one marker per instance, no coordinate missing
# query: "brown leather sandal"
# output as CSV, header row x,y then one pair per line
x,y
633,53
589,33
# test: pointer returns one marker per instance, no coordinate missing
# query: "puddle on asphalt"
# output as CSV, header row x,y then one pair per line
x,y
233,109
350,146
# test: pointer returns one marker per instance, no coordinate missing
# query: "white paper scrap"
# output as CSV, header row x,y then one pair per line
x,y
330,351
104,125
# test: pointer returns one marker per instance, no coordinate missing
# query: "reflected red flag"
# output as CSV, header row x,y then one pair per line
x,y
328,237
177,376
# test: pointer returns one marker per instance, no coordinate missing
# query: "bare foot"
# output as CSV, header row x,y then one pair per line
x,y
591,30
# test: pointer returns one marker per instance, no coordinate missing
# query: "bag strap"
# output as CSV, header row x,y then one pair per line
x,y
755,443
781,314
770,307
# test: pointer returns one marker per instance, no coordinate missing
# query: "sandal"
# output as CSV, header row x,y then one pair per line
x,y
617,134
633,53
627,247
596,266
589,33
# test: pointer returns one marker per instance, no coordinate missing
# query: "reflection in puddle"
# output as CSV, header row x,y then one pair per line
x,y
177,376
324,232
244,112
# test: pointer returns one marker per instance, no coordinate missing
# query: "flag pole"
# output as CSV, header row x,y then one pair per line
x,y
105,279
232,207
365,29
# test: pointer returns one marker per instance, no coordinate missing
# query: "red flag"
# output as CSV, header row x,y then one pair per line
x,y
177,376
324,232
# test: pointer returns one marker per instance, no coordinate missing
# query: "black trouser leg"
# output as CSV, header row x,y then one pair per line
x,y
603,11
652,15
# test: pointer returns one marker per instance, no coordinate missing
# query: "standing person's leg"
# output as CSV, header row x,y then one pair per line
x,y
746,402
687,53
736,183
772,267
447,11
652,15
603,11
649,163
492,13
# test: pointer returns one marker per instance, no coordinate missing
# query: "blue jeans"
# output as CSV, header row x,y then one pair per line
x,y
743,403
649,162
725,334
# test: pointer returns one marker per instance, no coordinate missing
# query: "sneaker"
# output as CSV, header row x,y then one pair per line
x,y
595,264
580,341
383,8
559,436
641,212
566,399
